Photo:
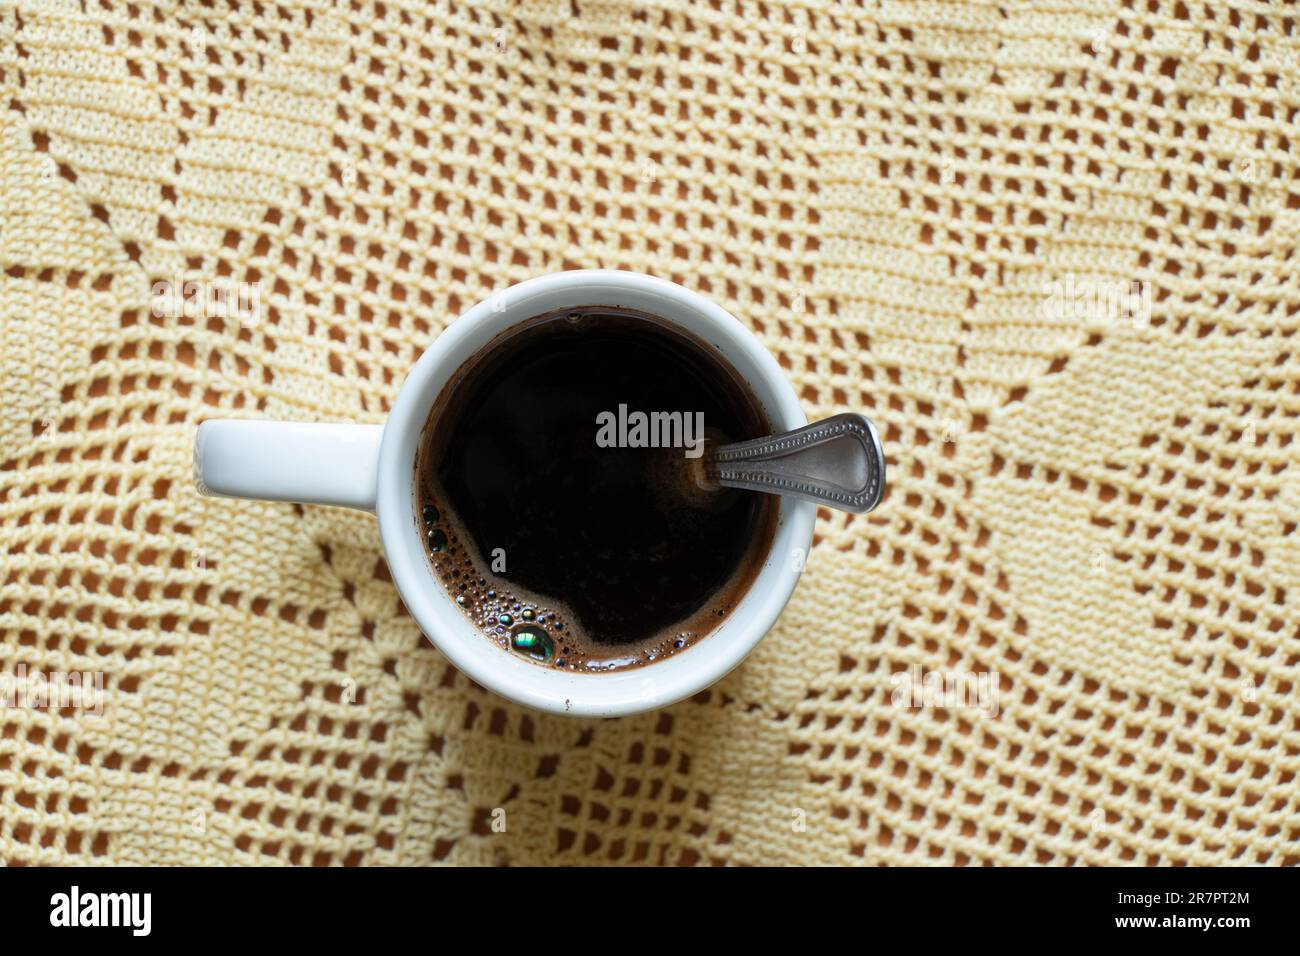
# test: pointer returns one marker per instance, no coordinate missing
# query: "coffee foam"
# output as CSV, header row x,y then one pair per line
x,y
487,599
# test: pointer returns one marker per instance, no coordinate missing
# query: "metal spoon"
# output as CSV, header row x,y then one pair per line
x,y
837,462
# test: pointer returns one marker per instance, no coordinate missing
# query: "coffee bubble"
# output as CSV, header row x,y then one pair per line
x,y
532,641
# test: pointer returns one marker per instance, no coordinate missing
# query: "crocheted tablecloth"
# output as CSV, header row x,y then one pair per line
x,y
1050,249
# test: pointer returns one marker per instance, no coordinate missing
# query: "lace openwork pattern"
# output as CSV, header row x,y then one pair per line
x,y
923,209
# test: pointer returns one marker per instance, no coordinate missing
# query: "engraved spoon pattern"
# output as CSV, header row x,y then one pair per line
x,y
838,462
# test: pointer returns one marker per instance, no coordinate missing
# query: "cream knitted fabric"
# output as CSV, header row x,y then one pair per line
x,y
1050,248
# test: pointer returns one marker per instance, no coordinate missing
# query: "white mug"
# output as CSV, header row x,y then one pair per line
x,y
372,467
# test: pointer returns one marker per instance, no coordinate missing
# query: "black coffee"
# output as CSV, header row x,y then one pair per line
x,y
559,532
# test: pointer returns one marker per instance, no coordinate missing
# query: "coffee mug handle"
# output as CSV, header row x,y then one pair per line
x,y
289,461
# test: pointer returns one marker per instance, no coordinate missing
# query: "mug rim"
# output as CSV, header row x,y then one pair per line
x,y
615,693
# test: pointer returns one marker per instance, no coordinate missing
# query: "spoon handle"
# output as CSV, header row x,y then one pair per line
x,y
837,462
